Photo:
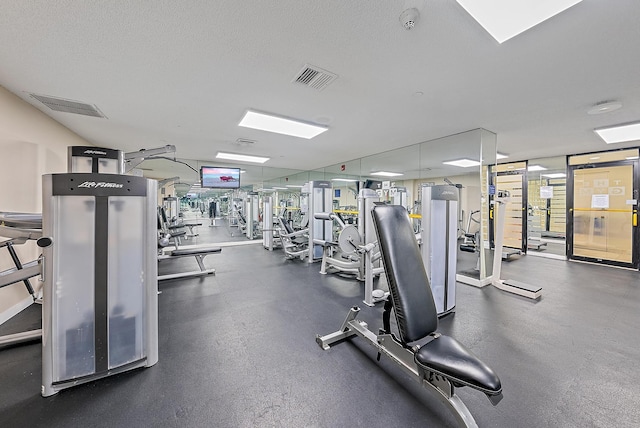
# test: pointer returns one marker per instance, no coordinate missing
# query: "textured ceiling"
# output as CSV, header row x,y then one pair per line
x,y
184,72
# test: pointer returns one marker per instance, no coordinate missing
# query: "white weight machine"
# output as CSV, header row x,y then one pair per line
x,y
509,285
356,251
439,228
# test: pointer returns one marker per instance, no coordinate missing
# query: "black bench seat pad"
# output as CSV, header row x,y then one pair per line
x,y
195,251
450,358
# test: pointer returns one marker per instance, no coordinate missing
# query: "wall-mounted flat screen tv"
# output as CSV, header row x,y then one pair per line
x,y
215,177
373,184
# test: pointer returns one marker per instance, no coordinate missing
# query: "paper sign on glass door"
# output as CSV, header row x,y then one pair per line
x,y
599,201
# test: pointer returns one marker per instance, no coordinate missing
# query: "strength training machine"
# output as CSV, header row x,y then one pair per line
x,y
20,228
439,232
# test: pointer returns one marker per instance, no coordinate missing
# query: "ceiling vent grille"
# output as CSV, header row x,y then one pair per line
x,y
69,106
314,77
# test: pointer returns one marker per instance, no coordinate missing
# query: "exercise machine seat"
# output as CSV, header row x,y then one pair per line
x,y
414,307
195,251
447,356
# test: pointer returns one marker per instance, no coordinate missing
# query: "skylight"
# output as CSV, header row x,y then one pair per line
x,y
280,125
504,19
620,133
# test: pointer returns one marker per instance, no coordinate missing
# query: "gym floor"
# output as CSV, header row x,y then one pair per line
x,y
237,349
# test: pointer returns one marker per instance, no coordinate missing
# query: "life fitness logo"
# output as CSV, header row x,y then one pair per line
x,y
447,192
100,184
94,152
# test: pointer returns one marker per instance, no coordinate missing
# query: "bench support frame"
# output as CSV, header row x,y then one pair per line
x,y
199,258
387,344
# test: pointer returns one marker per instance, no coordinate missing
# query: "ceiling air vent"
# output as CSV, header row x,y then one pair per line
x,y
68,106
314,77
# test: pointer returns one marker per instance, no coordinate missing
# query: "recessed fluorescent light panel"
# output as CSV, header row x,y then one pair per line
x,y
555,175
463,163
619,134
504,19
241,158
386,174
501,156
294,186
536,168
348,180
280,125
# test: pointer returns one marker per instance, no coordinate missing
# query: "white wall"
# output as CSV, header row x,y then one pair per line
x,y
31,144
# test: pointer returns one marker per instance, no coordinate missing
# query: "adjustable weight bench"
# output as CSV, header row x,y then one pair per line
x,y
437,361
198,253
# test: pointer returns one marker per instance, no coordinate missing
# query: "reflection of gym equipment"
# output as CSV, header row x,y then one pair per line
x,y
270,237
173,217
510,285
295,243
534,231
439,233
250,225
170,235
471,238
439,362
318,196
470,244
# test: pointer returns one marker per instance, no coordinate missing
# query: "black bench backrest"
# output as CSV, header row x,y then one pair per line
x,y
286,226
163,213
409,287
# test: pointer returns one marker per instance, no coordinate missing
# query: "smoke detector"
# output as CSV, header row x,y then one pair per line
x,y
243,142
409,18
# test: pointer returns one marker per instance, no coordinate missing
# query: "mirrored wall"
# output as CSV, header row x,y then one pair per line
x,y
461,160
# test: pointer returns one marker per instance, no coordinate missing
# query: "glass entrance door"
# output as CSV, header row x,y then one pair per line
x,y
603,215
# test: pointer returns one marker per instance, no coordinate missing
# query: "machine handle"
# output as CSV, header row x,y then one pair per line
x,y
41,261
